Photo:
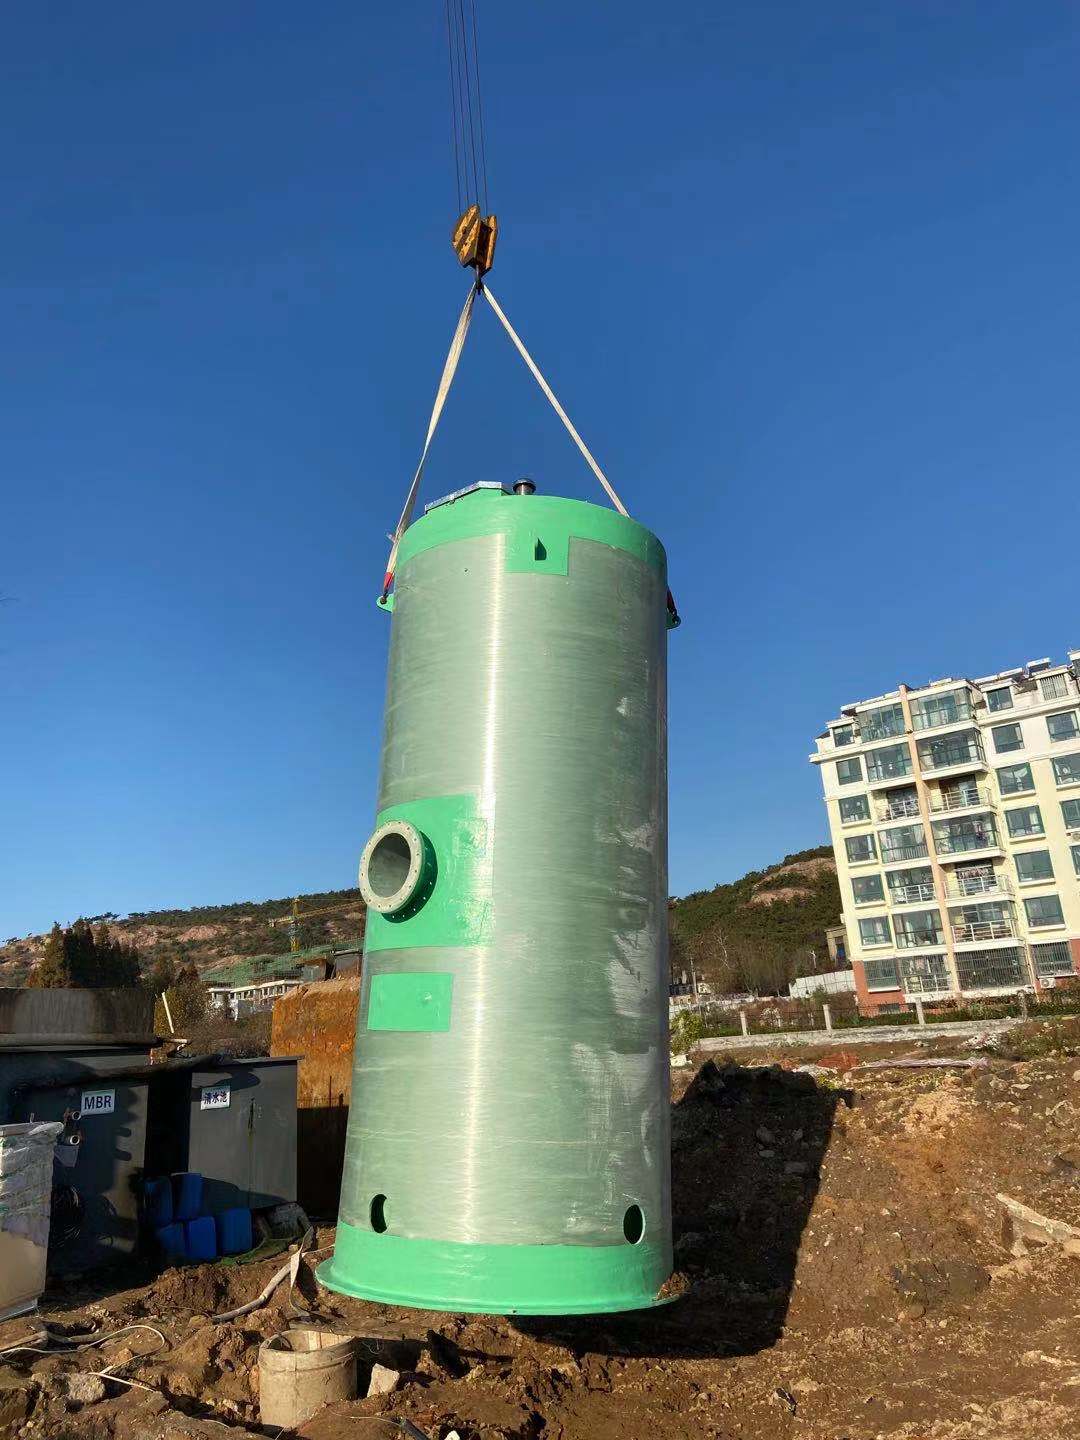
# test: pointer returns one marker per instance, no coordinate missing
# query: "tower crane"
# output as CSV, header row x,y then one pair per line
x,y
293,919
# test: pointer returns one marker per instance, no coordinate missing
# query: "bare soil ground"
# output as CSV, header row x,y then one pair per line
x,y
845,1268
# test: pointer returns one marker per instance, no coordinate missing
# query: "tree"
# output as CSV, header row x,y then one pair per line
x,y
54,971
162,975
189,998
82,958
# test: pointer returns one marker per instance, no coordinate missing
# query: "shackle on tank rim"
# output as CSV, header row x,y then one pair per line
x,y
397,868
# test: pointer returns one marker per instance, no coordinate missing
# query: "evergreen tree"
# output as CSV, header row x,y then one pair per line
x,y
82,958
54,971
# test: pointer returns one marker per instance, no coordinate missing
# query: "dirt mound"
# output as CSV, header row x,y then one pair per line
x,y
843,1269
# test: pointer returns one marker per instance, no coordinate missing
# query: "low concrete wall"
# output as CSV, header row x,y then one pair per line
x,y
112,1016
318,1023
864,1035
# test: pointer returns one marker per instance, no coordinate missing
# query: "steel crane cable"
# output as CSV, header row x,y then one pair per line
x,y
466,106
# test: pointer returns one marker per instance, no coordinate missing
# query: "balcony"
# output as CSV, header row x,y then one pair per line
x,y
919,939
960,797
978,930
954,754
933,713
890,763
966,842
903,853
962,887
911,894
881,724
925,975
898,807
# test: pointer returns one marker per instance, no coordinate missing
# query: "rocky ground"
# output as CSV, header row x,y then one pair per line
x,y
848,1273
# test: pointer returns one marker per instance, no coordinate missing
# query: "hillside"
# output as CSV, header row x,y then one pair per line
x,y
758,933
208,935
747,935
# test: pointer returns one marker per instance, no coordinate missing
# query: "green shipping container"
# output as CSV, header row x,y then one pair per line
x,y
508,1146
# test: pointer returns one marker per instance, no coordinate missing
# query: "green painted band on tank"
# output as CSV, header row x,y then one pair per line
x,y
551,520
495,1279
458,908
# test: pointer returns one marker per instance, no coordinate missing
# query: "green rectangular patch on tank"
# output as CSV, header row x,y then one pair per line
x,y
420,1003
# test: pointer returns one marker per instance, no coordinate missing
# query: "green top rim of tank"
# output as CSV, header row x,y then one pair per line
x,y
494,512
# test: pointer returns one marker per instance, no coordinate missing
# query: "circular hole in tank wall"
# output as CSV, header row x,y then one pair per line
x,y
377,1214
389,865
633,1224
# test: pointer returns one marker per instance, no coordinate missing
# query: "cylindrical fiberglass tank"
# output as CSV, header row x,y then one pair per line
x,y
508,1144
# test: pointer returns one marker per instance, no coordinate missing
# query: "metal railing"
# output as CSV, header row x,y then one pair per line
x,y
898,809
962,886
905,852
962,799
943,757
991,969
879,770
913,939
908,894
925,975
984,930
961,844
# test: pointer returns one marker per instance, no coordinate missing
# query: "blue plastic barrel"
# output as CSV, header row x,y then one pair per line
x,y
187,1187
157,1198
234,1231
171,1240
200,1237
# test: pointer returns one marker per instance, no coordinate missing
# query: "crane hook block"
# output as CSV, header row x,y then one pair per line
x,y
473,238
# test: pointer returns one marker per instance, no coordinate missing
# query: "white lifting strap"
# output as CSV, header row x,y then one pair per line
x,y
449,371
546,388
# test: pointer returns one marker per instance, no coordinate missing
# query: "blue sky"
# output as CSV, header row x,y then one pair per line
x,y
805,276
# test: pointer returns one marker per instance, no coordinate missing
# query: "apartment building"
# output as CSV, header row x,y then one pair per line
x,y
954,812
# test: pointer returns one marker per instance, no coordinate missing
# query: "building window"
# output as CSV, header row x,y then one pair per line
x,y
854,808
1054,687
1015,779
1034,865
934,710
1024,821
881,723
1067,769
1052,960
860,848
1076,858
875,931
881,975
1007,737
867,889
905,842
990,969
1063,726
921,927
1043,910
843,735
891,762
849,772
1070,813
999,698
